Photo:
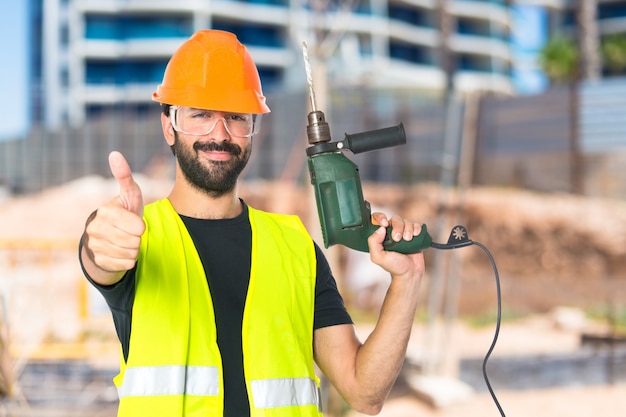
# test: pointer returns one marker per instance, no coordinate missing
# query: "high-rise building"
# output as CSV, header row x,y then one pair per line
x,y
98,55
90,56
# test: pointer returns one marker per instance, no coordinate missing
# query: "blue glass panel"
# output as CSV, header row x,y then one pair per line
x,y
134,27
270,78
483,64
101,27
268,36
482,28
269,2
501,2
100,73
138,27
412,15
410,53
124,72
611,11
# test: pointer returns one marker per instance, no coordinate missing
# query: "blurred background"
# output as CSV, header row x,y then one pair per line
x,y
513,112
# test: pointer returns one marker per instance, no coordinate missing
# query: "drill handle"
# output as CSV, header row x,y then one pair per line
x,y
417,244
375,139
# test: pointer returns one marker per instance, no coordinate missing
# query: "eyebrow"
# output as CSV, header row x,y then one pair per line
x,y
221,111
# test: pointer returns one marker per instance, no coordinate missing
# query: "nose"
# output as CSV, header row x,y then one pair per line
x,y
220,132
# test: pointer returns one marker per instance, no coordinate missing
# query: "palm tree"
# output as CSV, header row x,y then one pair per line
x,y
559,59
614,53
588,39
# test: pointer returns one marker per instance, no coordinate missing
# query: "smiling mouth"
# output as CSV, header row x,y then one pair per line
x,y
218,155
223,148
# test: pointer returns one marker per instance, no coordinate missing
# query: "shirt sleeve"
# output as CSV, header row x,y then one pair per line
x,y
330,309
119,297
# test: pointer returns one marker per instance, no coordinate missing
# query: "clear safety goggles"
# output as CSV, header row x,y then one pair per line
x,y
200,122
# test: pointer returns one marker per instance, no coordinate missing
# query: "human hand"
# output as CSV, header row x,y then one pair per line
x,y
395,263
113,233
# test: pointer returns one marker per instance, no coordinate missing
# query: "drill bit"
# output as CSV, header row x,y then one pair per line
x,y
317,130
309,76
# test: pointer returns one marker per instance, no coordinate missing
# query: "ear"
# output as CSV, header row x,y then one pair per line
x,y
168,129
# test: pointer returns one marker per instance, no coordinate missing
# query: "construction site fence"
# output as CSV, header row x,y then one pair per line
x,y
539,142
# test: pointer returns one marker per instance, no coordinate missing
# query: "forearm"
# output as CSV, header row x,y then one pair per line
x,y
380,358
364,373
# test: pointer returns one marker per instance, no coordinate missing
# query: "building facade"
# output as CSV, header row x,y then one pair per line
x,y
98,55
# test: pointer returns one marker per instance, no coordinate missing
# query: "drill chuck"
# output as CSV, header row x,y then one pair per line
x,y
317,130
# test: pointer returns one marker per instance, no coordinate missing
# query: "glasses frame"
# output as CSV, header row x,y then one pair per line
x,y
256,121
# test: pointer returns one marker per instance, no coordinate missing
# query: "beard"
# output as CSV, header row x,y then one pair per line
x,y
219,177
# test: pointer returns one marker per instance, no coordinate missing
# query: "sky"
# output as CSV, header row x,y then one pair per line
x,y
528,36
14,70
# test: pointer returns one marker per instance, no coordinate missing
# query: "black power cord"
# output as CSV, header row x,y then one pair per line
x,y
459,239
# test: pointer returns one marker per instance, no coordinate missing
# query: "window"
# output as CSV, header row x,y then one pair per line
x,y
124,72
257,35
136,27
412,53
412,15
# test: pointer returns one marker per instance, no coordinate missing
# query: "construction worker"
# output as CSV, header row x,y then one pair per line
x,y
222,309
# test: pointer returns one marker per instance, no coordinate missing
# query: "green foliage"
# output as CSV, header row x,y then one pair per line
x,y
486,319
614,53
614,316
558,59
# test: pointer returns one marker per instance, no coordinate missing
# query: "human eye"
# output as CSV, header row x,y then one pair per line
x,y
201,114
239,117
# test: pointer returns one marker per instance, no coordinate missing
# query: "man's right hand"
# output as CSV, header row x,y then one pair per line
x,y
113,233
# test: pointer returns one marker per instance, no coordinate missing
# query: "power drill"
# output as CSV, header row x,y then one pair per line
x,y
345,216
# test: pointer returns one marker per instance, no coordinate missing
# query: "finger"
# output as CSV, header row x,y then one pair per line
x,y
113,238
398,228
375,243
379,219
130,196
409,230
115,219
110,261
107,253
121,170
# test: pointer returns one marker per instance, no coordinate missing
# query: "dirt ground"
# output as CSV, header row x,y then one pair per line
x,y
552,251
536,334
570,402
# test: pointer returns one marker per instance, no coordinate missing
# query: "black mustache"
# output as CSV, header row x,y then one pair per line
x,y
231,148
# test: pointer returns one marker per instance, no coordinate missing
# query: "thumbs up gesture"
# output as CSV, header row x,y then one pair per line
x,y
130,196
110,243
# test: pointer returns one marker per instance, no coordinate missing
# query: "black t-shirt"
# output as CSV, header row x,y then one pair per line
x,y
225,247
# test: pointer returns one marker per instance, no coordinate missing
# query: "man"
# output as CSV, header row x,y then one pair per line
x,y
222,309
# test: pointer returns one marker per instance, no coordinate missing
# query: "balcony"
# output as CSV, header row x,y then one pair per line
x,y
139,48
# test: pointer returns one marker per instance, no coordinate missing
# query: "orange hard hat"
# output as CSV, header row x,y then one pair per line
x,y
212,70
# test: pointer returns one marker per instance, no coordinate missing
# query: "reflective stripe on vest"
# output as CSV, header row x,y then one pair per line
x,y
203,380
170,380
282,392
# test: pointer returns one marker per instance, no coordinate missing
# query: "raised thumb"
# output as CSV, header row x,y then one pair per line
x,y
130,196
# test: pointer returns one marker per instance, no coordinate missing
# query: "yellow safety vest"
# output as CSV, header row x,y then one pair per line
x,y
174,366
